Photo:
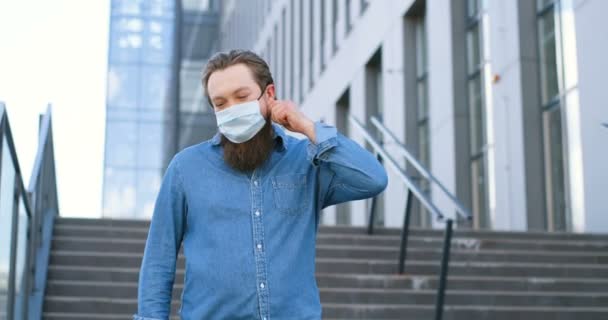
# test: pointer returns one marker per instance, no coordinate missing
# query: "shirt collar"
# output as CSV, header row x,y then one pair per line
x,y
278,135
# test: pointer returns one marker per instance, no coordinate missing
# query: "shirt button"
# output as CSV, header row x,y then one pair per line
x,y
257,213
262,285
259,246
264,318
255,182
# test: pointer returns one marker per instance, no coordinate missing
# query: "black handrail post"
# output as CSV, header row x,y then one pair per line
x,y
372,209
445,260
405,232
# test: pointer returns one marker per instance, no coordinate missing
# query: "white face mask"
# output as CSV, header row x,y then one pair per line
x,y
240,122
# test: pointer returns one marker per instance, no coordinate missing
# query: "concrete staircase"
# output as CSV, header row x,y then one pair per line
x,y
94,267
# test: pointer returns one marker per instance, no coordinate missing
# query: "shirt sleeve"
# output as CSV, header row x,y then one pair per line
x,y
157,272
347,171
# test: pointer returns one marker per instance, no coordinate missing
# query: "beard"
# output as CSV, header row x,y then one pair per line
x,y
252,153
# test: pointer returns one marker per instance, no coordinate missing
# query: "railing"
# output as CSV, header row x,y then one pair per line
x,y
26,218
414,190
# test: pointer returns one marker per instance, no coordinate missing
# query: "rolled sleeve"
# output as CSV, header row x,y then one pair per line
x,y
326,137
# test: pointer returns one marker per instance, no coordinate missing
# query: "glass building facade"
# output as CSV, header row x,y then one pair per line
x,y
153,45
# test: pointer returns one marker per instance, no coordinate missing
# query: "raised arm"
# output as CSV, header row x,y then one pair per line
x,y
347,171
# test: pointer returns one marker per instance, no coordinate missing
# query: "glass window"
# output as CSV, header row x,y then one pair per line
x,y
149,145
126,39
547,55
473,49
122,86
120,143
148,186
161,8
158,44
155,89
119,192
476,108
7,186
347,16
131,7
554,162
551,107
478,179
476,112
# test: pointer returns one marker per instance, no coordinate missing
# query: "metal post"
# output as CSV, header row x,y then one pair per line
x,y
372,209
445,260
405,232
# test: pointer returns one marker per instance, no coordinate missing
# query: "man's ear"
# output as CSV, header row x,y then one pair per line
x,y
271,91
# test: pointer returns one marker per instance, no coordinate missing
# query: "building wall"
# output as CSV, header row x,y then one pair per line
x,y
323,51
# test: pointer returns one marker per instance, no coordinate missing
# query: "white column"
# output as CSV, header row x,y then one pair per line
x,y
590,155
394,118
441,98
506,122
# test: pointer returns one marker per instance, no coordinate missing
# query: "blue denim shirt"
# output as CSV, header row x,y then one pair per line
x,y
249,239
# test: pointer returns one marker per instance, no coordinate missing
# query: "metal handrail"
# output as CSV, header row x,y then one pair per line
x,y
413,189
404,177
40,206
465,213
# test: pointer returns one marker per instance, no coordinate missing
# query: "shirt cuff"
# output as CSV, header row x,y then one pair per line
x,y
326,137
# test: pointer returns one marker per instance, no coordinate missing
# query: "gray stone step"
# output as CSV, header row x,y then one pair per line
x,y
94,269
136,247
124,289
382,266
85,305
127,233
368,295
388,311
362,230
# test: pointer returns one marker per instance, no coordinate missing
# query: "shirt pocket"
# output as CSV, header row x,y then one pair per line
x,y
289,192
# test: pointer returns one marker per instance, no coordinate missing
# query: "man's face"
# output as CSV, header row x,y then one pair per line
x,y
232,86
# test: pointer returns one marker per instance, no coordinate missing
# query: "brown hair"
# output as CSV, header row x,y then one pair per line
x,y
223,60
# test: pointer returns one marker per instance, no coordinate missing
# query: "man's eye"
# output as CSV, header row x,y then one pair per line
x,y
242,97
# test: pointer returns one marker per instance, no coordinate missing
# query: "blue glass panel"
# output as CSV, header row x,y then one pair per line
x,y
122,86
126,39
155,89
158,42
119,193
149,145
120,143
127,7
161,8
148,185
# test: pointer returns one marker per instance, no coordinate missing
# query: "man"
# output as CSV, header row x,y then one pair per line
x,y
246,203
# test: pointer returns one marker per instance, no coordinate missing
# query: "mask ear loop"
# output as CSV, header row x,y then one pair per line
x,y
261,95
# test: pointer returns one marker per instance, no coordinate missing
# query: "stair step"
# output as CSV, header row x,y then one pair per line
x,y
128,233
139,223
115,289
389,311
136,247
349,265
95,263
